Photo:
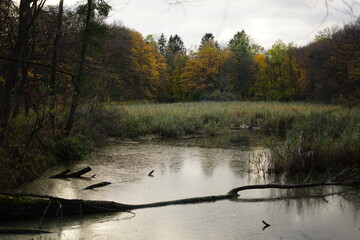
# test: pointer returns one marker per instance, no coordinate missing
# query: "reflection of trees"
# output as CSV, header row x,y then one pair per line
x,y
171,157
210,159
353,196
309,199
244,140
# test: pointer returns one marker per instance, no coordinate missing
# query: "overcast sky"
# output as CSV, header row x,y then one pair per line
x,y
264,20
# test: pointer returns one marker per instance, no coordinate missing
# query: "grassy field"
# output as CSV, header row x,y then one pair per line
x,y
303,136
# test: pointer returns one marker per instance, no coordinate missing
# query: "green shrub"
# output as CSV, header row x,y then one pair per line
x,y
72,148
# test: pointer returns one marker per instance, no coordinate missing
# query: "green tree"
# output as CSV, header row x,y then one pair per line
x,y
162,44
245,50
208,38
277,73
89,35
175,45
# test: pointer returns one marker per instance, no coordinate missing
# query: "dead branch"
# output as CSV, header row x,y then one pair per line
x,y
66,174
31,209
98,185
62,174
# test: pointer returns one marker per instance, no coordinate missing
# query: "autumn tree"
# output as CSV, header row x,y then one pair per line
x,y
206,72
133,68
345,58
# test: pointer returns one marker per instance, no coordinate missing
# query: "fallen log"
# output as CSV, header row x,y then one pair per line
x,y
15,205
101,184
6,230
62,174
66,174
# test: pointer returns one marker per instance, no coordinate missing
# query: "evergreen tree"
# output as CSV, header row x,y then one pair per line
x,y
162,44
245,50
176,45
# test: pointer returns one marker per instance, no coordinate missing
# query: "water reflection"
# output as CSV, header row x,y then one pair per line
x,y
188,168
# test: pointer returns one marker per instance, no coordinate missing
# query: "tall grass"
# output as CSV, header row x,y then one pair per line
x,y
320,141
172,120
304,136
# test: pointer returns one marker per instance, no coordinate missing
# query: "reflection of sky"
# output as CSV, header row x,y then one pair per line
x,y
183,172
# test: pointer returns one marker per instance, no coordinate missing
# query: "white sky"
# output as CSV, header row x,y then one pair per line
x,y
264,20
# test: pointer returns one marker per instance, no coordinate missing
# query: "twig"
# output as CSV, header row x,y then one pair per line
x,y
42,218
266,225
150,173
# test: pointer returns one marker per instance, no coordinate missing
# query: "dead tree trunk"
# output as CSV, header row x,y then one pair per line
x,y
54,61
53,206
80,74
13,68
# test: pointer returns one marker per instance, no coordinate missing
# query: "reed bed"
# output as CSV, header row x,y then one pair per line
x,y
304,136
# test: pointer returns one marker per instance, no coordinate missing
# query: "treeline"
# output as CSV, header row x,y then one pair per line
x,y
326,70
162,69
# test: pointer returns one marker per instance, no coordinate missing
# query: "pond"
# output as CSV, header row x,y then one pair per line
x,y
186,168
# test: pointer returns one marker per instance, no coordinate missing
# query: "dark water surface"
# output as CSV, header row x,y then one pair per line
x,y
191,168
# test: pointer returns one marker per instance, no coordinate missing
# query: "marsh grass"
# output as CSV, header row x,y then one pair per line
x,y
173,120
320,141
303,136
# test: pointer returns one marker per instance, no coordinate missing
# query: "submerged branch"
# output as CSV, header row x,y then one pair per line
x,y
5,230
34,205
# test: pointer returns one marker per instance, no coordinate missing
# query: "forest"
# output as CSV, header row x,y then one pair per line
x,y
62,68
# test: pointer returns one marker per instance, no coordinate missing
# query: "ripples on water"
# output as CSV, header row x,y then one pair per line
x,y
189,168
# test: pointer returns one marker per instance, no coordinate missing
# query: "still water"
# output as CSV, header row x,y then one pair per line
x,y
190,168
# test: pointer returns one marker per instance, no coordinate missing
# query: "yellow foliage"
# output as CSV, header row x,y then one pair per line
x,y
203,73
146,66
260,60
30,74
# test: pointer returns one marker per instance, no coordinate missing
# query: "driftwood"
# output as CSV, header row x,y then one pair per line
x,y
62,174
67,174
101,184
56,206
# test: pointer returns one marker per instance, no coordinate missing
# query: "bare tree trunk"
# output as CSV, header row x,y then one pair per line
x,y
25,16
20,93
54,62
80,75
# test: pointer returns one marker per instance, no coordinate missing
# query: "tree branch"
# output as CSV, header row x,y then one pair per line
x,y
37,64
